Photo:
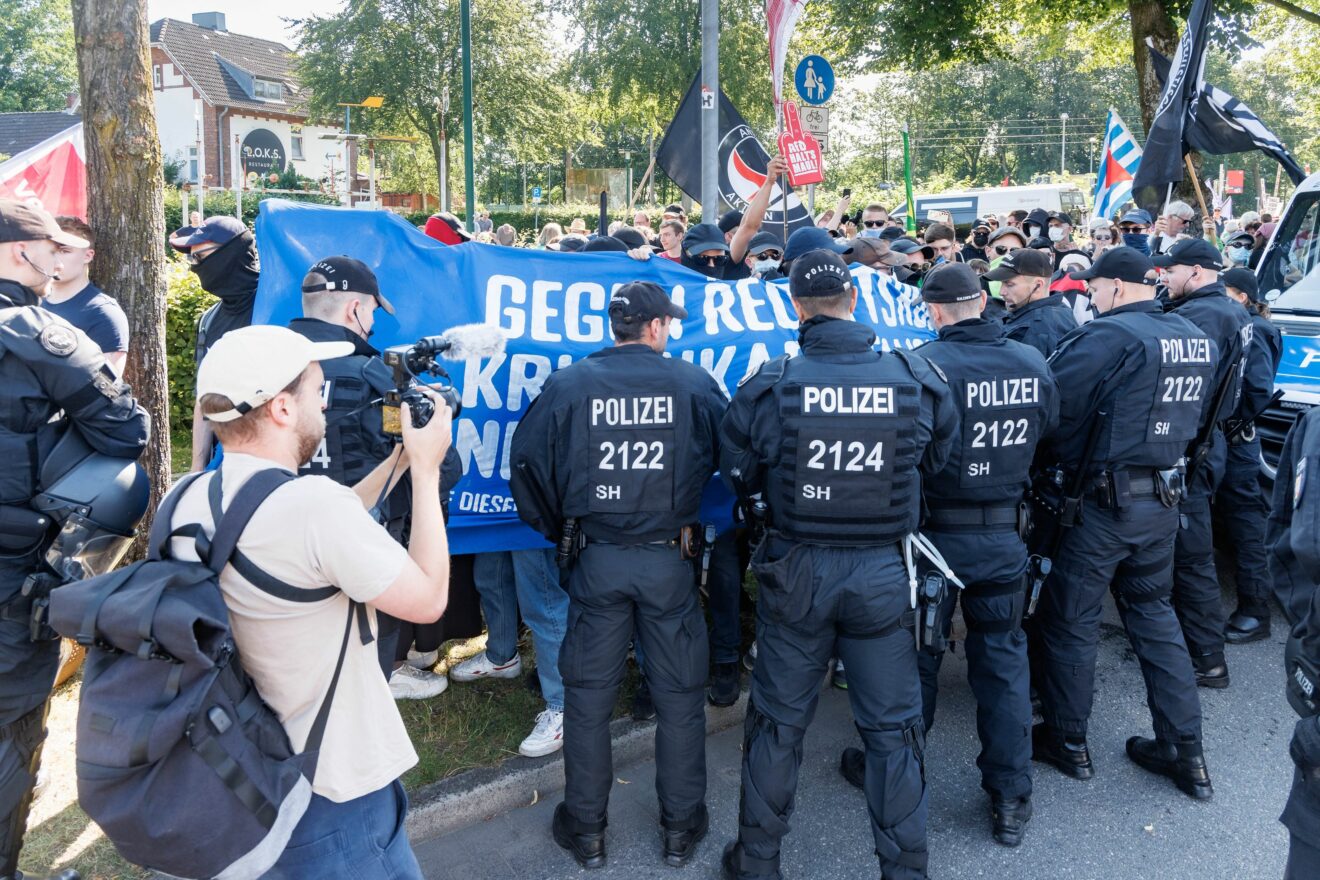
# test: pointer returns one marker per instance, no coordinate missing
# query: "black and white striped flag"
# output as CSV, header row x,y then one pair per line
x,y
1223,124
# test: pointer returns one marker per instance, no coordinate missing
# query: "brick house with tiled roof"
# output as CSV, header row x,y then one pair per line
x,y
221,96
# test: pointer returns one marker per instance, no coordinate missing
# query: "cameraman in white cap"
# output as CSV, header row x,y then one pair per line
x,y
260,387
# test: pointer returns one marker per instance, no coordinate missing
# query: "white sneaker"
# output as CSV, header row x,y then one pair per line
x,y
407,683
479,667
423,661
546,737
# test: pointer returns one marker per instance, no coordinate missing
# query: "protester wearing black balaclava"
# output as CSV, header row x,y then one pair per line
x,y
705,250
223,253
1036,223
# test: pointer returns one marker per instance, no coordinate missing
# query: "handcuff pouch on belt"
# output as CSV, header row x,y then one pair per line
x,y
1170,486
571,543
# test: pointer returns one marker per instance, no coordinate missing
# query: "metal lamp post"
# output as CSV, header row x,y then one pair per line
x,y
469,175
443,103
1063,144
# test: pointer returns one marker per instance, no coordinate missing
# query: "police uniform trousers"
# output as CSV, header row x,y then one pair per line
x,y
1129,551
1195,582
27,673
816,603
612,588
1241,509
1301,815
992,565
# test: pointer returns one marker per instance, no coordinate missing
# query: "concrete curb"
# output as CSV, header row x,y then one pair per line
x,y
477,795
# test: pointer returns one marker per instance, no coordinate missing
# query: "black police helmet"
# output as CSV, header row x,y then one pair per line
x,y
75,479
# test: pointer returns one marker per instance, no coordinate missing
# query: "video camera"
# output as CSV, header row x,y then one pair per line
x,y
410,362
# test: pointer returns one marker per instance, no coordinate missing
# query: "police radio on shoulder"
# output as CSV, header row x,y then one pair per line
x,y
408,362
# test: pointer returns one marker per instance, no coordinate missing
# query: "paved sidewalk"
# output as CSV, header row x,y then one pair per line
x,y
1122,825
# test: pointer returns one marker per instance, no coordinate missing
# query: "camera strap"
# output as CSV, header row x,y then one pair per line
x,y
914,543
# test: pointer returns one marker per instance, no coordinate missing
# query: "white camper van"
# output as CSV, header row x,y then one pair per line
x,y
999,200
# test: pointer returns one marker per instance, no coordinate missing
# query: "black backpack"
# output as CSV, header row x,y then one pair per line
x,y
179,760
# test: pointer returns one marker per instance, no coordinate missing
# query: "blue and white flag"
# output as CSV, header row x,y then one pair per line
x,y
552,307
1120,157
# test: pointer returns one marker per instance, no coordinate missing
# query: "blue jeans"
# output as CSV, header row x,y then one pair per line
x,y
526,581
362,839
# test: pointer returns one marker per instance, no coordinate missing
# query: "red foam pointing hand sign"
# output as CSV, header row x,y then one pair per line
x,y
800,150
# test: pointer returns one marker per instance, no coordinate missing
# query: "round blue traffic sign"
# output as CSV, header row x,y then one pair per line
x,y
814,79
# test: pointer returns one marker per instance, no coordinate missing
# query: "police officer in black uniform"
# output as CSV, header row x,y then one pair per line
x,y
975,519
1191,274
46,367
340,296
835,440
1240,501
1137,381
1294,546
612,458
1035,316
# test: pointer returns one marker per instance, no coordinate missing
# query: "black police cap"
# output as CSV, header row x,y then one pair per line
x,y
642,301
1120,264
1191,252
818,273
951,283
344,274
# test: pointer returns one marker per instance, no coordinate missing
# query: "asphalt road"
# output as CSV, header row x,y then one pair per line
x,y
1122,825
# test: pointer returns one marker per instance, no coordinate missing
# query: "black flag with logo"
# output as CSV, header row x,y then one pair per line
x,y
1162,157
1226,125
742,161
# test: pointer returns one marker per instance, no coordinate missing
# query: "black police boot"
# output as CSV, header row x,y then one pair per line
x,y
1009,818
738,865
680,841
643,707
1184,764
586,841
1244,628
1068,753
1215,676
724,685
852,765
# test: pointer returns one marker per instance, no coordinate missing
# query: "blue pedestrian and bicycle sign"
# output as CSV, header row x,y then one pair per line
x,y
814,79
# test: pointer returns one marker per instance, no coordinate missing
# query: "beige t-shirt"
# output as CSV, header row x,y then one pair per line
x,y
312,532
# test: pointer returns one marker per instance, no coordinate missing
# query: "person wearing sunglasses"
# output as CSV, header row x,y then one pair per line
x,y
874,218
223,254
1000,244
1102,236
1133,227
977,245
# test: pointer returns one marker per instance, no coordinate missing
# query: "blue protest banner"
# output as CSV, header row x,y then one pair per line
x,y
552,307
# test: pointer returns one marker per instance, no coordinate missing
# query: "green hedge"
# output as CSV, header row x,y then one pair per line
x,y
185,301
222,202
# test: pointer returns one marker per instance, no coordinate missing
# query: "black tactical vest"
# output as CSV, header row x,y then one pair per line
x,y
847,467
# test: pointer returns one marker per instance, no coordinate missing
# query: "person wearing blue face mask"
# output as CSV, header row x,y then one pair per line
x,y
1237,250
1133,227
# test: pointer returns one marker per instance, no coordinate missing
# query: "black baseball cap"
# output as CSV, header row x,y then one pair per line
x,y
907,246
1244,280
642,301
1120,264
1060,217
890,233
979,222
1008,232
23,222
812,238
730,220
765,241
704,237
1241,237
1040,242
1191,252
604,243
1021,262
818,272
215,230
630,237
343,274
951,283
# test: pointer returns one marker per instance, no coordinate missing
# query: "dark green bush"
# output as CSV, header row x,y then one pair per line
x,y
185,301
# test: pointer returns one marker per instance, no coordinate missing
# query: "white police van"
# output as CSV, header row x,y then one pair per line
x,y
1289,276
966,206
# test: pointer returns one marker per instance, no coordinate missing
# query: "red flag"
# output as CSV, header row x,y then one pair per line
x,y
781,16
52,174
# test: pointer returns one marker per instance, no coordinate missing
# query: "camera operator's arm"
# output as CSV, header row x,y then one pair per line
x,y
421,591
372,488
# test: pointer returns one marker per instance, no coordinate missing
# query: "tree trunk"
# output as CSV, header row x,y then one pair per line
x,y
1150,19
125,203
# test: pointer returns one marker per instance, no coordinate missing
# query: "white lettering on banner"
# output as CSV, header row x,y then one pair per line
x,y
719,303
516,289
483,383
542,312
747,295
521,383
584,325
478,450
777,293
